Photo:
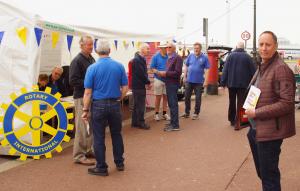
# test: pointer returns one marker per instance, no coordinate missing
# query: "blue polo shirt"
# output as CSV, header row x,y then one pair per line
x,y
196,66
159,62
105,77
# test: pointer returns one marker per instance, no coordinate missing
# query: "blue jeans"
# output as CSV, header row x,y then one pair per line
x,y
266,160
189,88
173,103
107,112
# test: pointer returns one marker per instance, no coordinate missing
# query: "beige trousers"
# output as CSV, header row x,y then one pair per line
x,y
83,142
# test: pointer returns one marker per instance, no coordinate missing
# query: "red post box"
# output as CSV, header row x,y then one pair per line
x,y
212,78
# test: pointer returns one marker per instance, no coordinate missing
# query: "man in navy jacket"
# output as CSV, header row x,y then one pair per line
x,y
237,73
140,82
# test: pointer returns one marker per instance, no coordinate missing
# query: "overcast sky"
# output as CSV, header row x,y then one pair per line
x,y
160,16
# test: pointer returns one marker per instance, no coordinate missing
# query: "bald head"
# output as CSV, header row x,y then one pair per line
x,y
240,45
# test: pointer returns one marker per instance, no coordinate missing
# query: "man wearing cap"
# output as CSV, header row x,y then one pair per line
x,y
158,63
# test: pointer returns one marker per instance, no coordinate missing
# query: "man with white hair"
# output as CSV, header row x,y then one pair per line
x,y
172,75
83,141
140,82
237,73
106,84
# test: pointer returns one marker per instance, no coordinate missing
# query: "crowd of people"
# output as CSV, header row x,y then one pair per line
x,y
100,85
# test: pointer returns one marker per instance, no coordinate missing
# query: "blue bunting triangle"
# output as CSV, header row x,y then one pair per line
x,y
132,43
38,35
95,44
116,44
1,36
69,40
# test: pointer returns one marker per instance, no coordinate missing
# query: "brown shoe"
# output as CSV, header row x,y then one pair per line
x,y
90,155
86,162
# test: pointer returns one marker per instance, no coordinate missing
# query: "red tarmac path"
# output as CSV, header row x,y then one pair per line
x,y
207,155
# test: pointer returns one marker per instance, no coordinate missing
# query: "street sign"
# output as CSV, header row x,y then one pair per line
x,y
245,35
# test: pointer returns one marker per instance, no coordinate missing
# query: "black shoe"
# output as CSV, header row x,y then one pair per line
x,y
144,126
120,167
170,128
98,171
232,123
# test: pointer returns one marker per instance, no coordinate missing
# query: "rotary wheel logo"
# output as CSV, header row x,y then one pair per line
x,y
35,123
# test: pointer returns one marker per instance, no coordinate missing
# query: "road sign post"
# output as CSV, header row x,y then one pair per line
x,y
245,36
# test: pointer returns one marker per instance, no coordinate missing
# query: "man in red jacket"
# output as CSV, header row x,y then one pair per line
x,y
273,119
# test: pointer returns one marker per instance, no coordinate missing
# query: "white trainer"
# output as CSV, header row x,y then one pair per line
x,y
156,117
166,117
195,116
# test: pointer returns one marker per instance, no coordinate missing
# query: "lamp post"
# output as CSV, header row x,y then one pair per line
x,y
254,33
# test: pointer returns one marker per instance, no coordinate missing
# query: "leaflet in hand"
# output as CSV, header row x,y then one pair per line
x,y
252,98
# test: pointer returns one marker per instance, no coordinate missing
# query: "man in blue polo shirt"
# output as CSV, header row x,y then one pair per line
x,y
158,63
105,83
196,64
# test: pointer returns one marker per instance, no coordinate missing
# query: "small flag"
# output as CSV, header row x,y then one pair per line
x,y
132,43
1,36
69,41
55,39
116,44
95,44
22,34
38,35
125,44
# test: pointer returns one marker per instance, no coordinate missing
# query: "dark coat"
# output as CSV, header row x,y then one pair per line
x,y
78,69
275,112
139,73
238,70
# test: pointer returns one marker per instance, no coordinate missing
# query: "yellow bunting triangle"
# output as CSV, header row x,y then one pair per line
x,y
138,44
55,39
22,34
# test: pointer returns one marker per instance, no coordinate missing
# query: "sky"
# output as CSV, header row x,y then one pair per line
x,y
227,19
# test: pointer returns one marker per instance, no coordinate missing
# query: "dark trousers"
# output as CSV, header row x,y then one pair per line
x,y
107,112
266,160
236,101
189,88
173,103
139,104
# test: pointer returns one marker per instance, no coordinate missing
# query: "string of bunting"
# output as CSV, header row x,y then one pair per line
x,y
22,33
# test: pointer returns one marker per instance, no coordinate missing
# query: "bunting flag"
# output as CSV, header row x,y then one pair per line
x,y
1,36
116,44
125,44
138,44
174,40
95,44
132,43
22,34
55,39
69,41
38,35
